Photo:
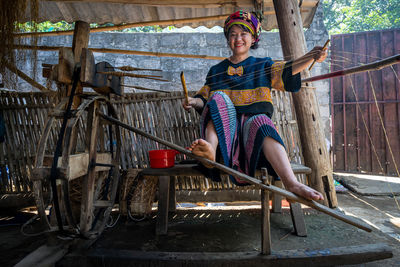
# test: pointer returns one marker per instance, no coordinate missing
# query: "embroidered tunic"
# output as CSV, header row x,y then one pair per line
x,y
248,83
237,98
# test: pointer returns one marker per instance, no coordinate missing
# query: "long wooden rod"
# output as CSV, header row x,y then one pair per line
x,y
121,51
377,65
25,77
127,74
144,88
249,179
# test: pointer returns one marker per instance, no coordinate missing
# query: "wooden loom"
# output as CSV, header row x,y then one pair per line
x,y
97,162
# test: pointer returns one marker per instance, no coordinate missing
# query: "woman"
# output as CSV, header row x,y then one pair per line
x,y
236,107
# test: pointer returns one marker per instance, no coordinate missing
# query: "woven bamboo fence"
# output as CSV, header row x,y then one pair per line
x,y
159,114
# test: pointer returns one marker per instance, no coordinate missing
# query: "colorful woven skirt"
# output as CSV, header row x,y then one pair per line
x,y
240,137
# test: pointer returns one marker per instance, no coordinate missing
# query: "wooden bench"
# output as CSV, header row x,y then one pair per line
x,y
162,115
167,196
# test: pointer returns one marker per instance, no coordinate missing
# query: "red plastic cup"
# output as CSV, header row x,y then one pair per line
x,y
163,158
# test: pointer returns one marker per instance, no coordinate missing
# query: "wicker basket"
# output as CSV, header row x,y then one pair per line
x,y
141,195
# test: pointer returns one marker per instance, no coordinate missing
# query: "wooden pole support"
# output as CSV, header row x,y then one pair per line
x,y
265,215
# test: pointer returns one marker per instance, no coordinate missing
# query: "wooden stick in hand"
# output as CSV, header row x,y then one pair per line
x,y
325,45
184,87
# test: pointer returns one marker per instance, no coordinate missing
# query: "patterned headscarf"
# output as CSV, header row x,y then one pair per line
x,y
247,19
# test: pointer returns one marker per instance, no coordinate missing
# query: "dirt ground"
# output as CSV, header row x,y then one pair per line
x,y
219,231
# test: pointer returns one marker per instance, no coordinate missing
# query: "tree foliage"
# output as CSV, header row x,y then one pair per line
x,y
345,16
48,26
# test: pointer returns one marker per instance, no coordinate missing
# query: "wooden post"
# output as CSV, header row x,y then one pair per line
x,y
80,40
305,102
265,215
163,205
172,195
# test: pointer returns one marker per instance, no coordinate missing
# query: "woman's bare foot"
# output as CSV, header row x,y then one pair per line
x,y
305,191
202,148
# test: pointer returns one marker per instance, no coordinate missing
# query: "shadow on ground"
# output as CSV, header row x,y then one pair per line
x,y
213,231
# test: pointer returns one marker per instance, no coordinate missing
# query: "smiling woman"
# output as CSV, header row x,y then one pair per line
x,y
236,107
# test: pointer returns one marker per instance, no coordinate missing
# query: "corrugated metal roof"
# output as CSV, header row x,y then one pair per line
x,y
133,11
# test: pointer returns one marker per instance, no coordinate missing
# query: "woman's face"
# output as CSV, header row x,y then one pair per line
x,y
239,40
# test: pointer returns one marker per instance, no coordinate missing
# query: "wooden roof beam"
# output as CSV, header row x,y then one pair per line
x,y
193,4
177,3
140,24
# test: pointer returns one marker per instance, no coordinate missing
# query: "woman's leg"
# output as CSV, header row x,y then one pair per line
x,y
218,127
276,155
206,147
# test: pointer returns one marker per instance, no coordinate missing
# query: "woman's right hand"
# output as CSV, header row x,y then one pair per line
x,y
195,103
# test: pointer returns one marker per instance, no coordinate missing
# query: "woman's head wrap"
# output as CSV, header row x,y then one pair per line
x,y
247,19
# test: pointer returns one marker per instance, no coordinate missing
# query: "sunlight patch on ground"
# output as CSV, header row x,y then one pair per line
x,y
371,177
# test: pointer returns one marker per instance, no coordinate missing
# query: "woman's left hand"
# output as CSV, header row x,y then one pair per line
x,y
319,53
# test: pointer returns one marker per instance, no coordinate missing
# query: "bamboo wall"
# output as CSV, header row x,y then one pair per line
x,y
160,114
24,115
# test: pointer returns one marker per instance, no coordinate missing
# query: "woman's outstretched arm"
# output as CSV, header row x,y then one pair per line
x,y
318,53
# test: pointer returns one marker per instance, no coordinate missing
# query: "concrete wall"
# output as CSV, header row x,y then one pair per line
x,y
213,44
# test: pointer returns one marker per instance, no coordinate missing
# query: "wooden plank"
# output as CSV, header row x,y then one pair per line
x,y
300,257
226,195
163,204
378,138
66,65
191,170
361,83
88,68
389,112
298,219
337,109
80,39
79,164
350,112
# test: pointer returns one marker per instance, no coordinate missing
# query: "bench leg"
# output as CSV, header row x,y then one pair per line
x,y
296,213
277,199
172,198
298,219
265,216
163,204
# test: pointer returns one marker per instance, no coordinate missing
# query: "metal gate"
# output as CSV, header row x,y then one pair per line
x,y
361,103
